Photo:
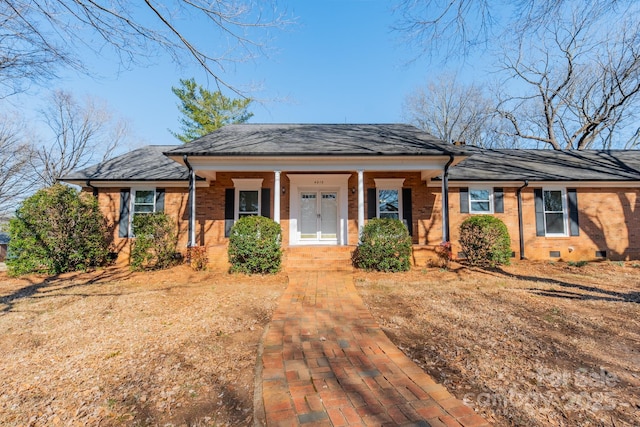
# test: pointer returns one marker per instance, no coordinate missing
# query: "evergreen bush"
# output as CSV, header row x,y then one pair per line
x,y
485,241
385,246
57,230
155,242
255,246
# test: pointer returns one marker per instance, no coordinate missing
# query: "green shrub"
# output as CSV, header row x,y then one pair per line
x,y
57,230
155,242
385,246
254,246
485,241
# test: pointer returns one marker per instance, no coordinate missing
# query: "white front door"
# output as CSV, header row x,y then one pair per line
x,y
319,216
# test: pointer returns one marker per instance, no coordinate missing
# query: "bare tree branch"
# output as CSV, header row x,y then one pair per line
x,y
82,134
452,112
38,36
16,177
580,84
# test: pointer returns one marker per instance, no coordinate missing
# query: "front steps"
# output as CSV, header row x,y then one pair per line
x,y
323,258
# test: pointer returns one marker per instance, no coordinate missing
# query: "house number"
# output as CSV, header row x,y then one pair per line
x,y
318,181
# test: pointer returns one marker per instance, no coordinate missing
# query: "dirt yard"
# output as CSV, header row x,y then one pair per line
x,y
534,344
119,348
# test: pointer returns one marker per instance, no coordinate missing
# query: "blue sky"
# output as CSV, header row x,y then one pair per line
x,y
340,63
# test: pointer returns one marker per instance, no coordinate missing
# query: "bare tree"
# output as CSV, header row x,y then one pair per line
x,y
577,61
83,133
579,91
454,28
453,112
37,35
16,176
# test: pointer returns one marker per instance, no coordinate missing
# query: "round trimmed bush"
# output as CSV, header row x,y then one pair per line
x,y
255,246
385,246
485,241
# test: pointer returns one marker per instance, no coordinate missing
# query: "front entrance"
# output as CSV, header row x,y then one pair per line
x,y
319,216
318,207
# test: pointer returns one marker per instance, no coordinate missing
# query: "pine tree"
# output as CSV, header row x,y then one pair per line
x,y
204,111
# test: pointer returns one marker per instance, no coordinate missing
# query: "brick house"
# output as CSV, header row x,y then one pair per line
x,y
322,182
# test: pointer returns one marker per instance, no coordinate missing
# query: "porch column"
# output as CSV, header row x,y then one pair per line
x,y
276,197
445,201
360,202
192,203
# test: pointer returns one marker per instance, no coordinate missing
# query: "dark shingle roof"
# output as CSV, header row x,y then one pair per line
x,y
144,164
315,140
548,165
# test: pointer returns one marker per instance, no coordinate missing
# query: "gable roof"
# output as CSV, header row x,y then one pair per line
x,y
316,140
144,164
548,165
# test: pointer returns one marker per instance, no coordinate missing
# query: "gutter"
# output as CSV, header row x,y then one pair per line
x,y
95,189
445,200
192,203
520,226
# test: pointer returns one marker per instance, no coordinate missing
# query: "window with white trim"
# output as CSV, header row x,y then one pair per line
x,y
388,204
144,201
389,197
248,203
480,200
555,212
247,198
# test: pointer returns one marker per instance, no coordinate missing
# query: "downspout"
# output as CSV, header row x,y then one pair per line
x,y
94,189
520,226
445,200
192,202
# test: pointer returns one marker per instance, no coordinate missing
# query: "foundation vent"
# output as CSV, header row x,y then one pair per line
x,y
601,254
554,254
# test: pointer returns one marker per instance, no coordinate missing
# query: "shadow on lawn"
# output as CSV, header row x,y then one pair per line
x,y
59,282
570,290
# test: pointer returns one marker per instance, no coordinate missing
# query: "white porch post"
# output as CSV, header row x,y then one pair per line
x,y
360,202
276,197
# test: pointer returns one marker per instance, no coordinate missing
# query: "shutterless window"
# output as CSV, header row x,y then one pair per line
x,y
388,204
248,203
480,200
554,212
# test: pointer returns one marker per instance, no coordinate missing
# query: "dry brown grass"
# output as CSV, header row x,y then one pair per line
x,y
530,344
118,348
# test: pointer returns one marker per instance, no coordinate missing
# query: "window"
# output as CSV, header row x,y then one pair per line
x,y
480,201
137,201
555,212
144,201
247,197
389,203
248,203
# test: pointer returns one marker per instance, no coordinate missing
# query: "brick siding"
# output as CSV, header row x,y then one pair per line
x,y
608,217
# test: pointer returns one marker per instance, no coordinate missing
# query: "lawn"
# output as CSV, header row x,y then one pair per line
x,y
533,344
113,347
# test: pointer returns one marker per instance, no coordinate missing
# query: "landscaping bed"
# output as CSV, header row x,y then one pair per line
x,y
532,344
111,347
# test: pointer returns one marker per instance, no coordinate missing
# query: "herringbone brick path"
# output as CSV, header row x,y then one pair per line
x,y
326,362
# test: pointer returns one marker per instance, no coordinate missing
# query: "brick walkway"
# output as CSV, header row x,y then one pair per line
x,y
326,362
